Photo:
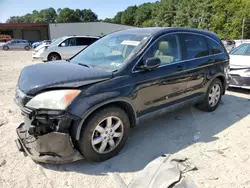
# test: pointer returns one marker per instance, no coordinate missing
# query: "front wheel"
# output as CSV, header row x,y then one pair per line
x,y
54,57
6,48
213,97
104,134
27,48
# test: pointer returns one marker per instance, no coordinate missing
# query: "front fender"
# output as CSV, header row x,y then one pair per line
x,y
83,107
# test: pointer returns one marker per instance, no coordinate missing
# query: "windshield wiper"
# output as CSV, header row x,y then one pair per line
x,y
85,65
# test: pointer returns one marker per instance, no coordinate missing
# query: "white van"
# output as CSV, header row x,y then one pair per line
x,y
63,48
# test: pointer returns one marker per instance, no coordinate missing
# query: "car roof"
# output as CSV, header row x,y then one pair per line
x,y
162,30
85,36
19,40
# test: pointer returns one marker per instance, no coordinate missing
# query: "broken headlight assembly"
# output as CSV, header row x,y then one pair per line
x,y
54,100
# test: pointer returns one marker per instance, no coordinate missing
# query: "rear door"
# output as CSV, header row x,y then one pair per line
x,y
83,42
196,55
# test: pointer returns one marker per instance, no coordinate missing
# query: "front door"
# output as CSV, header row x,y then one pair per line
x,y
13,44
165,86
68,48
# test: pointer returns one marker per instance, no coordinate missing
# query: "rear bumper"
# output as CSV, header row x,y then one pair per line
x,y
53,147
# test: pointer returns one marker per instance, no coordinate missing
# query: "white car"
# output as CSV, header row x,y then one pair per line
x,y
63,48
240,66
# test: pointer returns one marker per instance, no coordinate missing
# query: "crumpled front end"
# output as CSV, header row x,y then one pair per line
x,y
240,77
45,135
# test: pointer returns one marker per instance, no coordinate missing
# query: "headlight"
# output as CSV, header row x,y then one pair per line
x,y
42,49
54,100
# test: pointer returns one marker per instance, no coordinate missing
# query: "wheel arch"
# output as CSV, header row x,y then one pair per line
x,y
223,81
123,104
54,53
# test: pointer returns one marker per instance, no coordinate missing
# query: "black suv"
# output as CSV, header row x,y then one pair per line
x,y
85,106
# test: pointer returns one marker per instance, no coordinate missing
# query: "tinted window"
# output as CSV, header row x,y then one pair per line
x,y
196,46
214,47
83,41
241,50
167,49
70,42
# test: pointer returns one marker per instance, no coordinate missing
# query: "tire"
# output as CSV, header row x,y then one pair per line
x,y
6,48
91,151
54,57
27,48
206,105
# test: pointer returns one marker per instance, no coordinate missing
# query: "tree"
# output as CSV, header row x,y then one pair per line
x,y
143,14
166,12
67,15
15,19
128,16
118,18
109,20
89,16
48,15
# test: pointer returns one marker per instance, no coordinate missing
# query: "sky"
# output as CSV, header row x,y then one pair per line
x,y
103,8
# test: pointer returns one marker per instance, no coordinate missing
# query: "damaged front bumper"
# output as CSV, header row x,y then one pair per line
x,y
240,78
53,147
44,136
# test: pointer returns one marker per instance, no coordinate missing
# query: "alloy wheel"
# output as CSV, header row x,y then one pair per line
x,y
54,58
214,95
107,135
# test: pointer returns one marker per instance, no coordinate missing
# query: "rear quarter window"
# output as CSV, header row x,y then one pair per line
x,y
214,47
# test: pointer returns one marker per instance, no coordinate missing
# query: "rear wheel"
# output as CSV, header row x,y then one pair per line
x,y
105,134
54,57
27,48
213,97
6,48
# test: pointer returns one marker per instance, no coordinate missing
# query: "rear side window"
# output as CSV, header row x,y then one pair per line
x,y
195,45
84,41
214,47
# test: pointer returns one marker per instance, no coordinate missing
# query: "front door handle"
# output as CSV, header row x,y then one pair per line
x,y
180,67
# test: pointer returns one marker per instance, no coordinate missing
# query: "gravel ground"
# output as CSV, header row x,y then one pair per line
x,y
217,143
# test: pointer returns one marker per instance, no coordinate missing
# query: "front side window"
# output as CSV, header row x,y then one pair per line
x,y
195,45
214,47
112,51
167,49
240,50
70,42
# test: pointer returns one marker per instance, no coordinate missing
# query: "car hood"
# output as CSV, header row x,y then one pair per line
x,y
41,46
59,74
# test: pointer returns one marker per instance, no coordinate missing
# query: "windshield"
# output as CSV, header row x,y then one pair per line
x,y
57,41
112,51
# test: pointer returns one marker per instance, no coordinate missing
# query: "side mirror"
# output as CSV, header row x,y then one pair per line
x,y
152,63
63,44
